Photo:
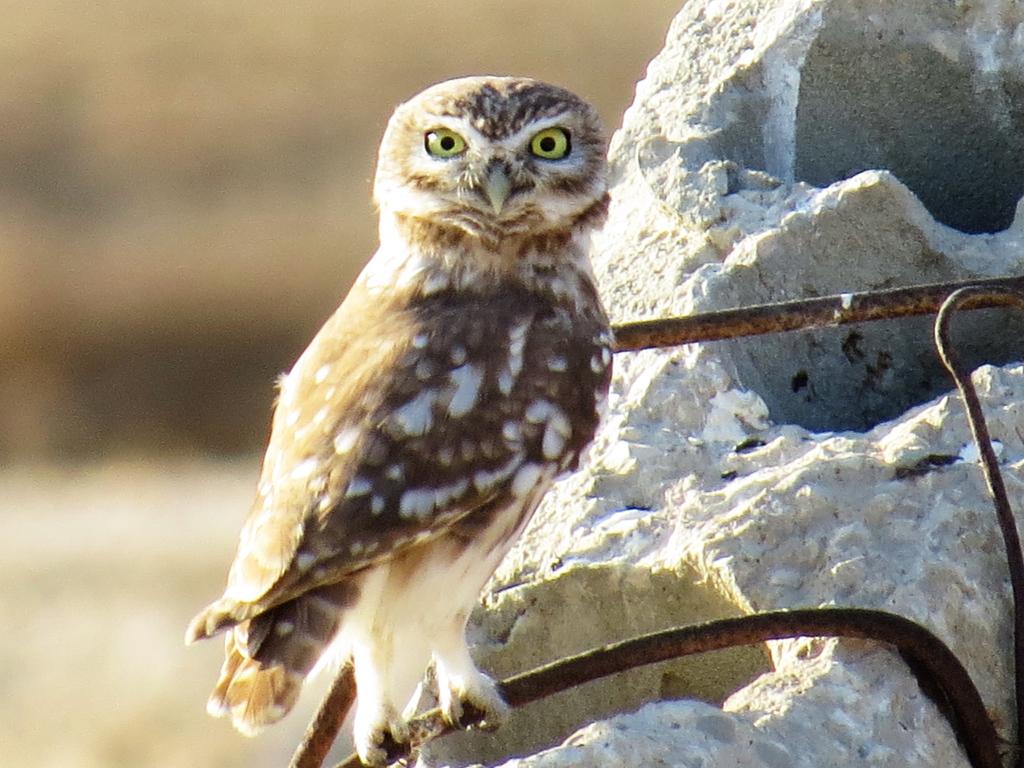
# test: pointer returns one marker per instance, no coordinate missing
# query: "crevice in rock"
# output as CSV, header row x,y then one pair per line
x,y
582,608
857,377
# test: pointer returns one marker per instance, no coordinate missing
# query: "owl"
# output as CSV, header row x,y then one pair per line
x,y
413,439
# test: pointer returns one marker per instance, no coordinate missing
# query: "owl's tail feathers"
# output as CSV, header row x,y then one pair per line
x,y
254,695
268,657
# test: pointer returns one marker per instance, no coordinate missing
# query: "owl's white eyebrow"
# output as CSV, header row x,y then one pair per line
x,y
462,127
527,132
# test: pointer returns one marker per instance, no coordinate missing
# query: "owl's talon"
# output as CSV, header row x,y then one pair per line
x,y
378,743
373,756
485,720
473,701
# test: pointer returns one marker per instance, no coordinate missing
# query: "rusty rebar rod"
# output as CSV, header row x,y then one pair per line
x,y
993,477
932,662
323,728
840,309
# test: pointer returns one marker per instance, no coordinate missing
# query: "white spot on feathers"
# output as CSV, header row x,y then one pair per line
x,y
345,440
538,411
321,374
512,432
416,502
484,480
559,422
424,369
416,416
448,493
376,505
283,628
436,281
358,486
505,381
558,364
516,343
458,354
517,333
553,443
421,503
559,287
305,469
467,379
526,479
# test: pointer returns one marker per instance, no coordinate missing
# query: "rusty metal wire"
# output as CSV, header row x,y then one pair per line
x,y
804,314
323,729
972,296
935,666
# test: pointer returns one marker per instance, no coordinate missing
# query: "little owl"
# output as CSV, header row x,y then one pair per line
x,y
415,436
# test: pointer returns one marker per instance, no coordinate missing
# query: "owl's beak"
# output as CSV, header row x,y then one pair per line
x,y
497,187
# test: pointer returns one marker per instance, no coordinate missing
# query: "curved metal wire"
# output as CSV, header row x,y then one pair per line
x,y
932,662
972,296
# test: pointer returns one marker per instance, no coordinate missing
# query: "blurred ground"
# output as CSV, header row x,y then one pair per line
x,y
101,569
184,197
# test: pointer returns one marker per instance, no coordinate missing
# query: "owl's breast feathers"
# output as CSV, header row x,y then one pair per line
x,y
411,410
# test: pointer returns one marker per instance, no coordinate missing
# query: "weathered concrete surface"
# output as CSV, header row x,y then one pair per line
x,y
752,102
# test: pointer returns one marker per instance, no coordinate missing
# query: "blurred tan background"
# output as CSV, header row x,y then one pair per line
x,y
184,198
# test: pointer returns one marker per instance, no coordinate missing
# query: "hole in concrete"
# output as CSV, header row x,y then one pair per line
x,y
583,608
870,100
855,377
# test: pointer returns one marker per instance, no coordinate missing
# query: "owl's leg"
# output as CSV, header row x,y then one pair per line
x,y
377,718
390,653
460,685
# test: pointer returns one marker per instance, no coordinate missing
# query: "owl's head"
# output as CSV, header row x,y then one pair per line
x,y
492,156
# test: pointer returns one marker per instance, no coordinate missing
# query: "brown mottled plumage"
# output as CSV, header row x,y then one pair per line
x,y
416,434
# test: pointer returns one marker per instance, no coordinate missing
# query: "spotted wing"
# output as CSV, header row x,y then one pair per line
x,y
399,421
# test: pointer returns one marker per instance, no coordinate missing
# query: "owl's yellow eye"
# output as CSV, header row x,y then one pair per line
x,y
441,142
551,144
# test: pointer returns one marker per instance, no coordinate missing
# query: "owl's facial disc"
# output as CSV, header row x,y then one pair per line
x,y
493,157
